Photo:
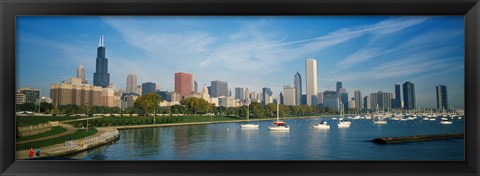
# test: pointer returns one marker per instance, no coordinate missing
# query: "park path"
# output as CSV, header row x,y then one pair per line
x,y
70,130
61,149
89,118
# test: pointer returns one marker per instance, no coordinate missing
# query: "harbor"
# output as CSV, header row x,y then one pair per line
x,y
229,141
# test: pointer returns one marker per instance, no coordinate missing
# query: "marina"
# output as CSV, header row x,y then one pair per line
x,y
229,141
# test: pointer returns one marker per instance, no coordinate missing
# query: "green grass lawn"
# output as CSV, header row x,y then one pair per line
x,y
81,133
54,131
34,120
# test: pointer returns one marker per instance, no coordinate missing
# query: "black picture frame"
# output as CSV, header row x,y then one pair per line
x,y
11,8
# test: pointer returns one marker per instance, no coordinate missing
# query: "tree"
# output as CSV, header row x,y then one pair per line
x,y
55,111
46,107
195,105
149,102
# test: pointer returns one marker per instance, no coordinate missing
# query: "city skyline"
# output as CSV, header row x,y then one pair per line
x,y
351,50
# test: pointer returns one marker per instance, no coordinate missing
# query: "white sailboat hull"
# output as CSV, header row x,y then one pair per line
x,y
279,128
249,125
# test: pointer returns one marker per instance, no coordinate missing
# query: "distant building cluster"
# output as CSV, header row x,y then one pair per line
x,y
103,93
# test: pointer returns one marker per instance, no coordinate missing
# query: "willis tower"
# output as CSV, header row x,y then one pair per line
x,y
101,77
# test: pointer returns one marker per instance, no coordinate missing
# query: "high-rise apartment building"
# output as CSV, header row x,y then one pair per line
x,y
358,100
183,83
382,100
101,77
397,102
409,95
366,103
311,81
75,92
442,98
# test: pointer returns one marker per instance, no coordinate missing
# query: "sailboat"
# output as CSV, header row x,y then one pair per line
x,y
342,123
378,118
279,125
248,124
321,125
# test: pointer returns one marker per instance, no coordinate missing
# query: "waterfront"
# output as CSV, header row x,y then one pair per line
x,y
229,142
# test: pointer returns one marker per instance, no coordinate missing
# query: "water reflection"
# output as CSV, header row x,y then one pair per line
x,y
302,142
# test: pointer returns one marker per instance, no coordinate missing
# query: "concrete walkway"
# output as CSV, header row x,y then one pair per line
x,y
74,120
60,149
70,130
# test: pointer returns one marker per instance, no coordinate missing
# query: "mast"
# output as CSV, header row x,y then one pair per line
x,y
248,112
277,113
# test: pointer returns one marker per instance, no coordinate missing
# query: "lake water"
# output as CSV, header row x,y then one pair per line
x,y
230,142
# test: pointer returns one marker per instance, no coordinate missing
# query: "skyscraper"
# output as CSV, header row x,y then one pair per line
x,y
320,98
382,100
148,87
343,95
131,83
101,77
311,81
339,86
366,103
397,102
330,99
239,93
297,83
358,100
408,95
218,88
442,98
267,96
183,83
289,95
195,86
81,73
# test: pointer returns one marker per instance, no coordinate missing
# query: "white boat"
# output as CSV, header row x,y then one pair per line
x,y
248,124
334,118
380,122
446,122
425,118
342,123
432,119
279,125
322,125
378,119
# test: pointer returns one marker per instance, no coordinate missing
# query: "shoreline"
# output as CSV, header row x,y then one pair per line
x,y
58,150
205,123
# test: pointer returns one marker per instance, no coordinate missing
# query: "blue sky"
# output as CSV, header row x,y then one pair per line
x,y
366,53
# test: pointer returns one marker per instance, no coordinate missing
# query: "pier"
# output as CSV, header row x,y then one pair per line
x,y
420,138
